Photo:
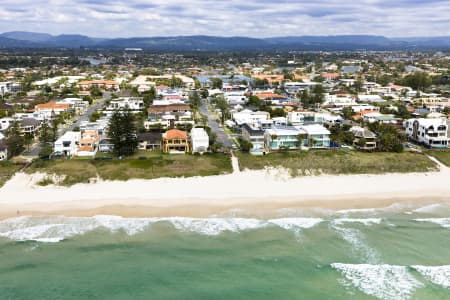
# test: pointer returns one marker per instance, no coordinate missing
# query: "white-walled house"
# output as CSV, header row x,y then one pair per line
x,y
286,137
134,104
67,144
199,140
318,136
432,133
339,101
250,117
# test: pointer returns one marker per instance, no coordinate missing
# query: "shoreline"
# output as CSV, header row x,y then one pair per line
x,y
250,192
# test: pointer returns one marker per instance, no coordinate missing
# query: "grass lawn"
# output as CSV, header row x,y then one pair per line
x,y
338,162
7,170
144,165
442,155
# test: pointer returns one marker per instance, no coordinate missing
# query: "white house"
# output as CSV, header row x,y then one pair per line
x,y
67,145
235,97
250,117
8,87
134,104
295,118
339,101
199,140
432,133
295,87
318,136
370,99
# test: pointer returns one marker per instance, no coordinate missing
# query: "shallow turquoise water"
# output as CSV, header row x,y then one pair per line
x,y
362,255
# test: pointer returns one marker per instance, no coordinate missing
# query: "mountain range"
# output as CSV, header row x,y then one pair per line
x,y
23,39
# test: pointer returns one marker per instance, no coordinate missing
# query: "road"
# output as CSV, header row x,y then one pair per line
x,y
36,148
214,123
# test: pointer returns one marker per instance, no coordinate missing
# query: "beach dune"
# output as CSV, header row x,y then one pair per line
x,y
261,191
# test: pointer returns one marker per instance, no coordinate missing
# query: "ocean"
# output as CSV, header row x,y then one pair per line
x,y
392,253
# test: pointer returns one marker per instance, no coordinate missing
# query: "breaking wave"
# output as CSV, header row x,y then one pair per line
x,y
439,275
443,222
55,229
381,281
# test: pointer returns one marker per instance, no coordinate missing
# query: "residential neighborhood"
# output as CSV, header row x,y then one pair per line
x,y
257,105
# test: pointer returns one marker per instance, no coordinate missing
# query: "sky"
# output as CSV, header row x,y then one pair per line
x,y
252,18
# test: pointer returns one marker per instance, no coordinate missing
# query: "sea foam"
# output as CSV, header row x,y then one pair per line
x,y
367,221
385,282
443,222
439,275
55,229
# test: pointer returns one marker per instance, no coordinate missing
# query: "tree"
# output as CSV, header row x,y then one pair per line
x,y
204,93
418,81
194,100
94,116
45,134
216,83
246,146
222,104
123,133
347,112
317,94
55,122
14,139
88,99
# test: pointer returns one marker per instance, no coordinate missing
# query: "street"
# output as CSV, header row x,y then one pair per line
x,y
214,123
36,148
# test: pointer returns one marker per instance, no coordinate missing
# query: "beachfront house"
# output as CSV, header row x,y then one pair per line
x,y
286,137
175,141
67,145
432,133
149,141
317,136
105,146
364,138
88,143
255,136
199,140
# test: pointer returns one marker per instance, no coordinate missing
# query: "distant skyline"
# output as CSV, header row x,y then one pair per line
x,y
263,18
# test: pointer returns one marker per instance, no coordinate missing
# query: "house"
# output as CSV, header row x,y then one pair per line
x,y
432,133
30,126
370,99
171,108
105,146
133,104
286,137
67,144
3,151
317,136
236,97
250,117
175,141
364,138
51,108
199,140
255,136
339,100
149,141
9,87
88,143
295,87
101,84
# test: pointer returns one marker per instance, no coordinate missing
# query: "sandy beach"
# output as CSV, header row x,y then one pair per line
x,y
256,191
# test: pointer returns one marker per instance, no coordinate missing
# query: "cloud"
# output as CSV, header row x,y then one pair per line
x,y
256,18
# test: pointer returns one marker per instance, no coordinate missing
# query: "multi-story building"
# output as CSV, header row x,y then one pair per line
x,y
432,133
